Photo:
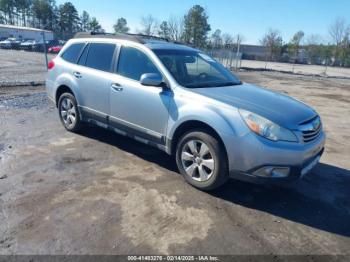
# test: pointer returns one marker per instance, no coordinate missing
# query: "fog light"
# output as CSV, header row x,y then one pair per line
x,y
272,171
280,172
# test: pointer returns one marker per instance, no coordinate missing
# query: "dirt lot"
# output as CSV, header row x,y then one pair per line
x,y
299,68
21,67
100,193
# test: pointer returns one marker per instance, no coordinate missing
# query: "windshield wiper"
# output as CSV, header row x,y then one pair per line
x,y
229,84
197,85
224,84
202,85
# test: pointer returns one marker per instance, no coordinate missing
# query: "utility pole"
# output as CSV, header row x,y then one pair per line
x,y
231,50
238,49
45,50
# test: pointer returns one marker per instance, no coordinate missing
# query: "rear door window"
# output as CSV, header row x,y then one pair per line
x,y
100,56
72,53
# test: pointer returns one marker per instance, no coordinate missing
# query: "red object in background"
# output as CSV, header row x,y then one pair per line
x,y
50,65
55,49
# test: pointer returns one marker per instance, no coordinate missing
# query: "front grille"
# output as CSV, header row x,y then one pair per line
x,y
311,129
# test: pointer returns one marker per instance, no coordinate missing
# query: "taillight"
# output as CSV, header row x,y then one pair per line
x,y
50,65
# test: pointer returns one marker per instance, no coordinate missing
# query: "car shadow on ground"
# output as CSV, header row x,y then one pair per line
x,y
146,152
321,200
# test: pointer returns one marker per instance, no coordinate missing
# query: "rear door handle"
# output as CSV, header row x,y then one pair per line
x,y
77,74
117,87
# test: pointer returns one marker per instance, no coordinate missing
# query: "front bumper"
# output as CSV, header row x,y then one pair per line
x,y
295,172
294,159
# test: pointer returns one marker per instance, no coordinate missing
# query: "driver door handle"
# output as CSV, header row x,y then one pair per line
x,y
117,87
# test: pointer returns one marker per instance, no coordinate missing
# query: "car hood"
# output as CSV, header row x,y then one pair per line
x,y
278,108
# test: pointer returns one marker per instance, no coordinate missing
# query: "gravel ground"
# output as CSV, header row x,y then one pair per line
x,y
21,67
100,193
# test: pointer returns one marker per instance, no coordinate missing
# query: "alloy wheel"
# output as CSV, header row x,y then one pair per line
x,y
68,112
197,160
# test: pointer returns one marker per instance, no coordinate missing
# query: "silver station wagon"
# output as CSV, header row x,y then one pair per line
x,y
182,101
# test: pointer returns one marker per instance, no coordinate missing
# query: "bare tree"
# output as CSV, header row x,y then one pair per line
x,y
216,38
149,25
314,47
272,40
338,30
176,27
227,39
339,33
294,47
314,39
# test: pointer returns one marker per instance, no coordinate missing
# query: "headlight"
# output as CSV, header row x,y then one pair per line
x,y
266,128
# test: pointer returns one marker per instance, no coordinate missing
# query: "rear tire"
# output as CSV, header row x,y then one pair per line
x,y
202,160
69,112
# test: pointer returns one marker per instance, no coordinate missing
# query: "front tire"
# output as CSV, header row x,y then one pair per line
x,y
69,112
202,161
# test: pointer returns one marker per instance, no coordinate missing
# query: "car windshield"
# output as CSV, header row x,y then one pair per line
x,y
194,69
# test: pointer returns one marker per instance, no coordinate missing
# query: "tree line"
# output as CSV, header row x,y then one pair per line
x,y
64,20
194,28
334,52
191,28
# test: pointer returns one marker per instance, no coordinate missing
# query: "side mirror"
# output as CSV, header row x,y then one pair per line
x,y
151,79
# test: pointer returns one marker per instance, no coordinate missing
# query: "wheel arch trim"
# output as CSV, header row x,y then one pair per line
x,y
69,83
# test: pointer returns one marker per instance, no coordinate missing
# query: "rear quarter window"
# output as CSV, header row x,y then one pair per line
x,y
72,53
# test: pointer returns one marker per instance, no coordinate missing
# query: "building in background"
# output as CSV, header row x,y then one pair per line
x,y
253,52
24,33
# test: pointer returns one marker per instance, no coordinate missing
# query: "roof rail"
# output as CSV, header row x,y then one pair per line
x,y
107,35
139,38
149,37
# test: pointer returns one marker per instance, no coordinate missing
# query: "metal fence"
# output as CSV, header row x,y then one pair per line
x,y
232,59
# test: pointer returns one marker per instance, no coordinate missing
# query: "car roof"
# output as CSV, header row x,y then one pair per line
x,y
152,42
156,45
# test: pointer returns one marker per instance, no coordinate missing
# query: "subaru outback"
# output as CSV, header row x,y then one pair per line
x,y
184,102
